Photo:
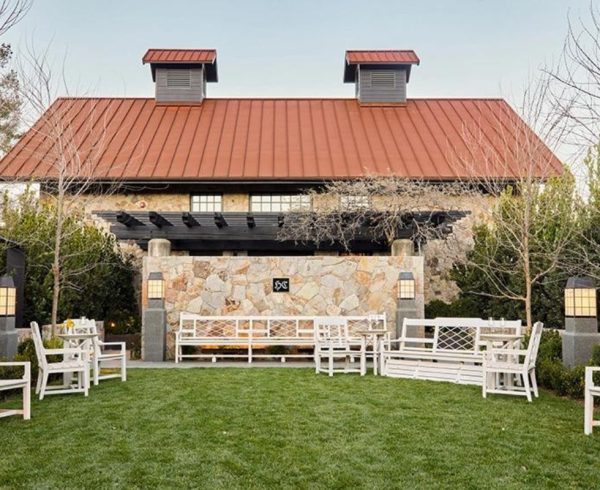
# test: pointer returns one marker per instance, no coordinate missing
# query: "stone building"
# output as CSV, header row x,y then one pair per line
x,y
217,176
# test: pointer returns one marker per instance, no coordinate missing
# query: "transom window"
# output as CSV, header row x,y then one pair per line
x,y
276,203
355,202
207,203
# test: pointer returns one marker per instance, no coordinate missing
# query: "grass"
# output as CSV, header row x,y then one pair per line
x,y
290,428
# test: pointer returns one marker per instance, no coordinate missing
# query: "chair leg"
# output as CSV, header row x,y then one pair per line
x,y
96,371
38,385
534,384
317,362
124,367
525,378
44,383
27,401
588,416
86,381
484,384
330,364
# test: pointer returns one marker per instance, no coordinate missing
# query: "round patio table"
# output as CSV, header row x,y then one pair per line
x,y
374,336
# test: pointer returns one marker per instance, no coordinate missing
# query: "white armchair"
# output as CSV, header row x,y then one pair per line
x,y
332,344
23,383
100,355
511,364
75,361
591,390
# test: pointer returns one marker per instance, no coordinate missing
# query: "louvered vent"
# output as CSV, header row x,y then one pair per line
x,y
383,79
179,78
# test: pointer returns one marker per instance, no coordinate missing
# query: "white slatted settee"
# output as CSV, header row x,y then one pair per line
x,y
250,333
450,350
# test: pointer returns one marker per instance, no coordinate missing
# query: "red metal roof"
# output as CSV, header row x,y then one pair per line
x,y
180,56
282,139
390,56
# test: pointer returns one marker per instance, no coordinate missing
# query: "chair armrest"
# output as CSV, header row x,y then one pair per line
x,y
66,350
26,367
120,344
504,352
589,375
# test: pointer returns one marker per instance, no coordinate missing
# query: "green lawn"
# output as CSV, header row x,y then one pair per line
x,y
255,428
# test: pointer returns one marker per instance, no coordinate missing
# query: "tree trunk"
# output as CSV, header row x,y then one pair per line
x,y
56,264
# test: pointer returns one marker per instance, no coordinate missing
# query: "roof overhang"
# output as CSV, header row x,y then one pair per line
x,y
183,58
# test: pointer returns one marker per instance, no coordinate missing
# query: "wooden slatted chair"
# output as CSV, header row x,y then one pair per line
x,y
100,355
512,363
591,390
78,364
23,383
332,344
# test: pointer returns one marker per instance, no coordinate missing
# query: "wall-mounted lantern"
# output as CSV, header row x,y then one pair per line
x,y
156,286
406,286
580,297
8,296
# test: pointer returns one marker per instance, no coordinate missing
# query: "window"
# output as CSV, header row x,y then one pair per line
x,y
179,78
206,203
276,203
355,202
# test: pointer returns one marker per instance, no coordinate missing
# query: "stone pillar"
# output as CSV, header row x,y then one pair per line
x,y
154,315
406,307
578,340
9,338
159,247
402,248
154,331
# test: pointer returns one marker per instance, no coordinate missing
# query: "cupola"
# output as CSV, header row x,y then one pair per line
x,y
180,75
380,76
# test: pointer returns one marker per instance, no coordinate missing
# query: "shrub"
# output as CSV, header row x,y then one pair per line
x,y
97,277
553,374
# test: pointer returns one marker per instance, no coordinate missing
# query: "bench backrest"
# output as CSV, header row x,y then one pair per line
x,y
275,327
454,334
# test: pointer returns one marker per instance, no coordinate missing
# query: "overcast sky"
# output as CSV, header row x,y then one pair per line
x,y
470,48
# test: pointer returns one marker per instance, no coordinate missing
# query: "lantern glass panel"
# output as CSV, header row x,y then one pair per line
x,y
8,301
407,289
156,288
580,302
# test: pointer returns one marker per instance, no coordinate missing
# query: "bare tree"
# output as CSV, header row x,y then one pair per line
x,y
376,208
533,222
12,12
575,93
68,182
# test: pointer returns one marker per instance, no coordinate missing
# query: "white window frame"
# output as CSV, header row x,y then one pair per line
x,y
353,202
279,203
206,203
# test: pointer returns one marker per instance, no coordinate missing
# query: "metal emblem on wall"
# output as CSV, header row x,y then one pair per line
x,y
281,285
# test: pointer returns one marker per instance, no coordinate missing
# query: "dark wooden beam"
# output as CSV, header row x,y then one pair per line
x,y
128,220
189,220
250,221
220,220
158,220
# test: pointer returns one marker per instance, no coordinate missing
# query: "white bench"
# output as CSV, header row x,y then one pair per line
x,y
450,349
252,333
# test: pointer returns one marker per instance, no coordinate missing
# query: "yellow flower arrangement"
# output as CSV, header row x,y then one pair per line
x,y
69,324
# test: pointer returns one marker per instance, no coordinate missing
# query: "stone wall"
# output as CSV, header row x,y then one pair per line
x,y
319,285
